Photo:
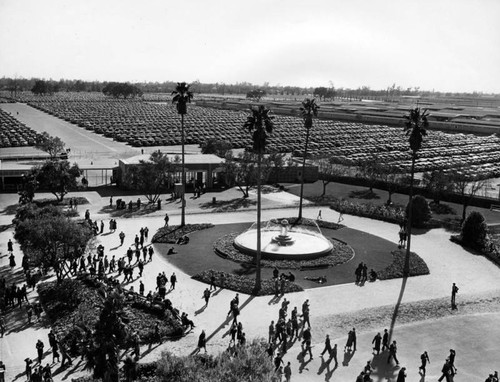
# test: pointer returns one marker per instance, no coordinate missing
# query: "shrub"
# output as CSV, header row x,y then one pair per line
x,y
474,230
421,212
249,363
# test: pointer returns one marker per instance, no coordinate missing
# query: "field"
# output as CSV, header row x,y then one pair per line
x,y
141,123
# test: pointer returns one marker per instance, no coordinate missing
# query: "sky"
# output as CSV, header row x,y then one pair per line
x,y
441,45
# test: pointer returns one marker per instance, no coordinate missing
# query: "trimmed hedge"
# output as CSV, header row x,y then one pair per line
x,y
243,284
170,234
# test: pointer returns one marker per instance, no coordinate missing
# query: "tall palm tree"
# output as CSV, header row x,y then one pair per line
x,y
259,123
182,96
415,128
308,110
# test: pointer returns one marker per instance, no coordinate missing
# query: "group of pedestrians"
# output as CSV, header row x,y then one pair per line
x,y
362,274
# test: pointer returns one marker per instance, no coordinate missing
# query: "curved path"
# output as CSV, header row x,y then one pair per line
x,y
447,262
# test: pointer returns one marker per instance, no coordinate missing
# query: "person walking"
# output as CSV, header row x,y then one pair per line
x,y
122,238
167,218
272,333
202,341
451,357
328,346
10,246
385,340
288,372
39,349
12,261
305,314
392,353
454,291
173,280
206,296
319,217
424,358
333,354
446,372
402,375
377,341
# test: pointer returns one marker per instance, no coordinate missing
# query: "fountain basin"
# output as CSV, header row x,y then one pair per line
x,y
306,245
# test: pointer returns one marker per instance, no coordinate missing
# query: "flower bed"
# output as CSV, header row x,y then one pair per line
x,y
170,234
244,284
341,253
418,266
74,305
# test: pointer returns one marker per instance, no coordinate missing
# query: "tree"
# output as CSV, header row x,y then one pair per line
x,y
259,123
329,171
51,145
43,87
437,184
370,171
308,110
242,170
182,96
415,128
421,212
57,176
109,334
216,146
152,177
387,173
29,185
474,230
49,238
464,183
125,90
323,93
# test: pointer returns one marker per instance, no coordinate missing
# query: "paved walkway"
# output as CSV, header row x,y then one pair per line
x,y
447,262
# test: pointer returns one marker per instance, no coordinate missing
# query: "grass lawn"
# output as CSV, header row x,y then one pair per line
x,y
199,255
379,197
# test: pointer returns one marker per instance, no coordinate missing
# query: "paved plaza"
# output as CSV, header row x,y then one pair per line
x,y
470,333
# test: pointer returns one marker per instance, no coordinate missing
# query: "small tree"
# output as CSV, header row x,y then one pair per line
x,y
437,183
152,177
474,230
421,212
329,171
464,183
49,238
51,145
57,176
216,146
242,171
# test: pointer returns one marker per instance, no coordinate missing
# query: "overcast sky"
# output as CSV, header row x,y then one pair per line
x,y
446,45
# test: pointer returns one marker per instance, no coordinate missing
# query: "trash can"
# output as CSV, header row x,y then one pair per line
x,y
214,200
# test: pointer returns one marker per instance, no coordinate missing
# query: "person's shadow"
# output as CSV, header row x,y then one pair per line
x,y
348,354
303,362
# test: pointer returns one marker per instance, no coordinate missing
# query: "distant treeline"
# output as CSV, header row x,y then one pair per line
x,y
44,86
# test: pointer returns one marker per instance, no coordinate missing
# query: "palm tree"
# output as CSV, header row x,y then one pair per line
x,y
259,123
415,127
308,110
182,96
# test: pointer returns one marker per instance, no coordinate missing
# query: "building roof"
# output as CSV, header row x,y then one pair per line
x,y
189,159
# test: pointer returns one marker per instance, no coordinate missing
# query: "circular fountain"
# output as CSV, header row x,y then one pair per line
x,y
282,241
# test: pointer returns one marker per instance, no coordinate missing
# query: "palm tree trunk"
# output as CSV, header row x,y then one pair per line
x,y
183,177
258,257
406,271
302,178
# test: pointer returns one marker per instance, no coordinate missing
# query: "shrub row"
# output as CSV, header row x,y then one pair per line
x,y
243,284
170,234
